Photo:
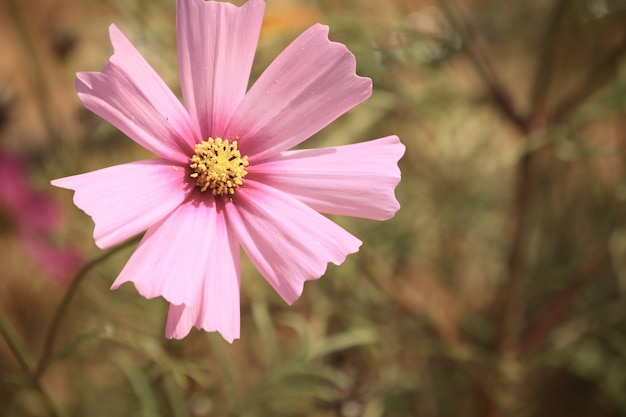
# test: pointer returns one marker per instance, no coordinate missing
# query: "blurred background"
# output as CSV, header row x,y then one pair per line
x,y
497,290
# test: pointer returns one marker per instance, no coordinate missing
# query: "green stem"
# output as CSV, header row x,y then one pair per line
x,y
22,356
26,363
52,406
59,314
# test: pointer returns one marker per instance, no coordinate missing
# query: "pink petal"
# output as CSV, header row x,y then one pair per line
x,y
216,305
130,95
354,180
124,200
216,45
184,257
287,241
311,83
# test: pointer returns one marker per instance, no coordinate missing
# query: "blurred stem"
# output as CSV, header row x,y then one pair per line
x,y
545,62
59,314
477,50
38,79
513,293
514,304
26,363
548,319
508,343
596,79
514,299
16,347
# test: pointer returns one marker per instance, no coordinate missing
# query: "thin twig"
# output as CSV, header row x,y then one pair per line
x,y
477,50
545,62
59,314
514,299
26,363
548,319
596,79
513,303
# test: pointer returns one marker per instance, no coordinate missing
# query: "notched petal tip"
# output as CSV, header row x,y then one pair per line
x,y
364,82
60,183
182,318
82,83
297,289
392,150
357,180
117,37
179,335
396,151
114,31
120,201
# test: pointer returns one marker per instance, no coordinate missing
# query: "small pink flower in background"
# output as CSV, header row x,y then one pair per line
x,y
32,218
224,177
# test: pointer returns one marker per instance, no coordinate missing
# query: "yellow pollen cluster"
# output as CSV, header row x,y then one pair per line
x,y
218,166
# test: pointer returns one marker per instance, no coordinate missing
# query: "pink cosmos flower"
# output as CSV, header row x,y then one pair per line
x,y
224,176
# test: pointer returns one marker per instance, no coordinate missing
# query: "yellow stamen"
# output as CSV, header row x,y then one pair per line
x,y
218,166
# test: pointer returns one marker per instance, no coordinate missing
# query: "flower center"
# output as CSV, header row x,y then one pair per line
x,y
218,166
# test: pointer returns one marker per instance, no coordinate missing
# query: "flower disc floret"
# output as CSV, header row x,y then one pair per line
x,y
218,166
